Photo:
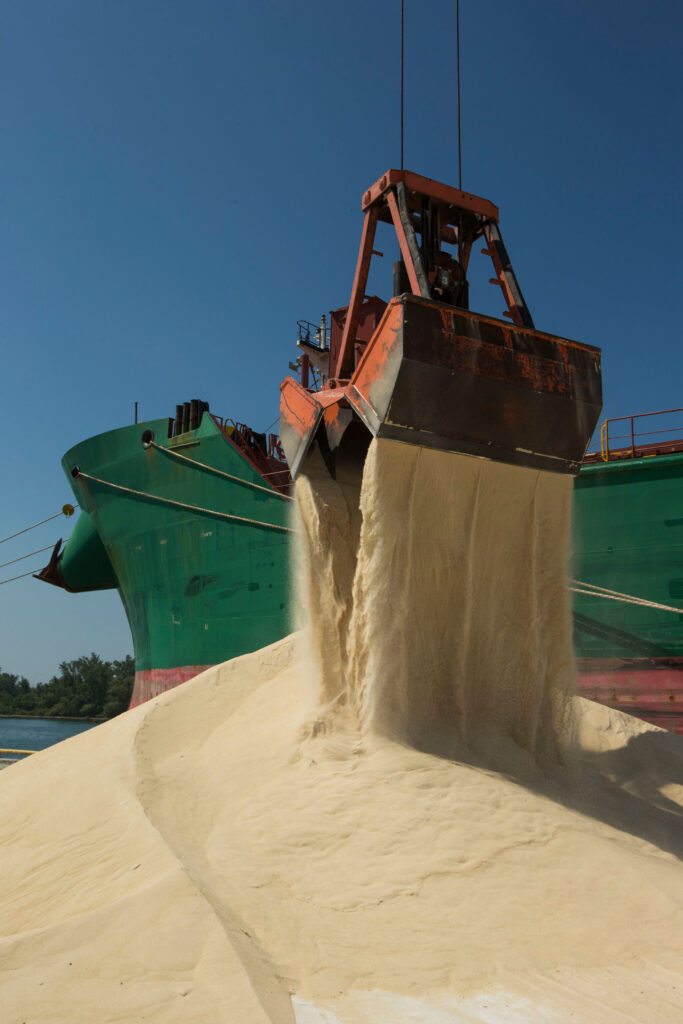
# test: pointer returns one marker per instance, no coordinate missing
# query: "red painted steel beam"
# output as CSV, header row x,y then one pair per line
x,y
434,189
343,364
403,243
505,277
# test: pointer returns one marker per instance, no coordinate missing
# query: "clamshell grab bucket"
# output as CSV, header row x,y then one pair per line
x,y
430,372
457,381
305,416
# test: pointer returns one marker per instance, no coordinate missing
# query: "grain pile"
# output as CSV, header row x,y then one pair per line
x,y
422,826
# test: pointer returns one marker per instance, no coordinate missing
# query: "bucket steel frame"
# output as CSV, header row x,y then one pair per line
x,y
433,373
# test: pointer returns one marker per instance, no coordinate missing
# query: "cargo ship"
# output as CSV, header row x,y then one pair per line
x,y
188,517
198,589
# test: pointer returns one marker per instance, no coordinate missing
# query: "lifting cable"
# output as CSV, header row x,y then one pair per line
x,y
159,499
219,472
592,590
66,510
457,69
402,52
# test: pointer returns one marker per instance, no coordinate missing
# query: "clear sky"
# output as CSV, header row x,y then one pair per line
x,y
180,182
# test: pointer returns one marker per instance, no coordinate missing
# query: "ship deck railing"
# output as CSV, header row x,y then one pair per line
x,y
664,436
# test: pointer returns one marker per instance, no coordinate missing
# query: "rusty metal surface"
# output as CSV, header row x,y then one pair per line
x,y
434,189
341,359
646,434
410,253
458,381
264,452
439,213
301,414
371,312
336,418
433,373
505,277
52,571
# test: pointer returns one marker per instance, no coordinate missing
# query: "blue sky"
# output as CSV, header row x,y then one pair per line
x,y
180,182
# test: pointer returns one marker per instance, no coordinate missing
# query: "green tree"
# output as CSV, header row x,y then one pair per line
x,y
80,689
26,698
86,687
15,694
120,687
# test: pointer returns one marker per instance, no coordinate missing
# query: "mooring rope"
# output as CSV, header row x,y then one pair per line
x,y
66,510
592,590
219,472
22,557
181,504
13,578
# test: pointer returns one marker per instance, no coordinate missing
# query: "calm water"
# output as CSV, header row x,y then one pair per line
x,y
37,733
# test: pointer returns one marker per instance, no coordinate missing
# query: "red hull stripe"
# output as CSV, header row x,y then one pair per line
x,y
153,681
650,691
653,693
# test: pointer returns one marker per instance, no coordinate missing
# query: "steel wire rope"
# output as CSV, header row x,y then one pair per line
x,y
48,547
61,512
457,72
219,472
589,589
159,499
402,50
592,590
12,578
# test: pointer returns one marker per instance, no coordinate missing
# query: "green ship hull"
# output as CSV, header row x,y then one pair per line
x,y
628,539
194,537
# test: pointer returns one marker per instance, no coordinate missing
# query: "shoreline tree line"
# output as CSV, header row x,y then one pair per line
x,y
86,687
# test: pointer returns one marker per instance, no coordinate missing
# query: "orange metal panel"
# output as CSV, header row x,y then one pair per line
x,y
298,408
453,380
301,413
376,354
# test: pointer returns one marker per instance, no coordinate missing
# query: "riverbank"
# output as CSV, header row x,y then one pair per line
x,y
30,732
57,718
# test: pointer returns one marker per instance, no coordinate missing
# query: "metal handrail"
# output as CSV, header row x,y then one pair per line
x,y
321,333
239,434
606,449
